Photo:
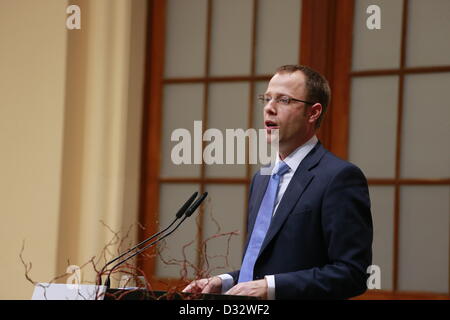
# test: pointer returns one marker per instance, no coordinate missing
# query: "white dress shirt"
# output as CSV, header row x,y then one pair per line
x,y
293,161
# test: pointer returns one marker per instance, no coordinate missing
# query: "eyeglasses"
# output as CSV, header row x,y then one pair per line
x,y
284,100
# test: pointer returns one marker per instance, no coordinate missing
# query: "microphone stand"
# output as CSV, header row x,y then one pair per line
x,y
188,213
179,214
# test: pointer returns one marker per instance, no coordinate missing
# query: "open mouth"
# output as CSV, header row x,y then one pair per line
x,y
270,125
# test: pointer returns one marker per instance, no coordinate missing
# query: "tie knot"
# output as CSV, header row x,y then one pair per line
x,y
282,168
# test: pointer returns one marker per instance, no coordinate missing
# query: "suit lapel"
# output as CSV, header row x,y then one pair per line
x,y
260,190
294,191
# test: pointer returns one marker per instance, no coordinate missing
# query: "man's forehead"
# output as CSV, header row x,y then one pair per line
x,y
287,82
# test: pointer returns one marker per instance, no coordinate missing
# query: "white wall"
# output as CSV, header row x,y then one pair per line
x,y
32,64
70,124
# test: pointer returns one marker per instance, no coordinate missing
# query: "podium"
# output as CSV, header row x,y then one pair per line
x,y
143,294
59,291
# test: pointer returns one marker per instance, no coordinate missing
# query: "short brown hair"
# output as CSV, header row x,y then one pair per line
x,y
318,89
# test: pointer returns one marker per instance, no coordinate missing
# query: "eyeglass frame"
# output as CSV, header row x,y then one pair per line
x,y
261,98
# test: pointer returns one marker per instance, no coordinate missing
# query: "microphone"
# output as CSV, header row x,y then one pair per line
x,y
179,214
188,213
196,204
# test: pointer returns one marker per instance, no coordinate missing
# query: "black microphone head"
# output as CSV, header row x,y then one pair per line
x,y
186,205
196,204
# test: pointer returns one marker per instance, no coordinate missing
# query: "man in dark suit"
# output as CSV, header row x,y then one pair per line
x,y
309,221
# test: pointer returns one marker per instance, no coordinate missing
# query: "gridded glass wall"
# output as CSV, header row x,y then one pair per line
x,y
399,131
219,54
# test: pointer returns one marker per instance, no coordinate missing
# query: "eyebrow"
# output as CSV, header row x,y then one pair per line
x,y
278,94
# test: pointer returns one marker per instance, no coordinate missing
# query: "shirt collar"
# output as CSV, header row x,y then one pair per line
x,y
295,158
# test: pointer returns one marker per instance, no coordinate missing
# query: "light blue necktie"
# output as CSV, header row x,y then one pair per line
x,y
262,223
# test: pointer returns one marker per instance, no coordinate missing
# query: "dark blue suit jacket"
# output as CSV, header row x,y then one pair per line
x,y
319,243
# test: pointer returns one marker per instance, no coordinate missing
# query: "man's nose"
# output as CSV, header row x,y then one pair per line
x,y
271,107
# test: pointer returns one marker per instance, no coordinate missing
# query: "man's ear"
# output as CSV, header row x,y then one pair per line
x,y
314,112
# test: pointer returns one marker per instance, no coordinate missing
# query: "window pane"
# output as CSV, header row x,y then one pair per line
x,y
224,216
183,104
424,238
278,34
373,122
228,109
382,200
185,38
258,121
428,27
172,197
377,48
426,128
231,37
